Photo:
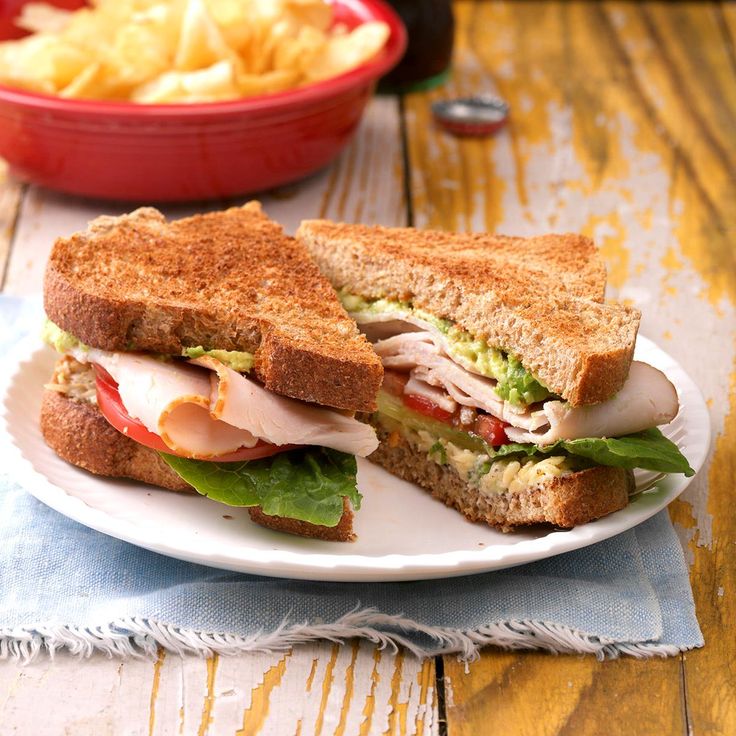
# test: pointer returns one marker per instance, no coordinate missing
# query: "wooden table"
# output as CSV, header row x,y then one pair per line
x,y
623,121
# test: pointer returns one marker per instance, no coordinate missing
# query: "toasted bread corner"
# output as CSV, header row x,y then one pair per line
x,y
229,280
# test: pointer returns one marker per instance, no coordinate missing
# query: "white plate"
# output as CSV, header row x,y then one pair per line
x,y
403,534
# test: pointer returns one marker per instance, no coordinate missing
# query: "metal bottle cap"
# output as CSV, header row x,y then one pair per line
x,y
471,116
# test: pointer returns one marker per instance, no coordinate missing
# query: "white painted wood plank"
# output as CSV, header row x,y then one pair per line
x,y
11,193
320,688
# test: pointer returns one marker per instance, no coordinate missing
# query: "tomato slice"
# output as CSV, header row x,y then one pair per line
x,y
423,405
491,429
394,382
108,399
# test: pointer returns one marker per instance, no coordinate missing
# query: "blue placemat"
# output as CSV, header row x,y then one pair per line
x,y
64,585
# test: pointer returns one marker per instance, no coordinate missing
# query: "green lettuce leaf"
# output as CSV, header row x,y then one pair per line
x,y
306,484
649,450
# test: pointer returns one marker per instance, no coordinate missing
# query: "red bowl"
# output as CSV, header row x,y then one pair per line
x,y
159,153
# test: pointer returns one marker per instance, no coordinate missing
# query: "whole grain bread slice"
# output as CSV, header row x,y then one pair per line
x,y
79,433
565,501
540,299
228,280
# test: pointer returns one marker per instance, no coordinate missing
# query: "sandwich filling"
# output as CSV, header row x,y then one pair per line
x,y
477,409
220,429
384,317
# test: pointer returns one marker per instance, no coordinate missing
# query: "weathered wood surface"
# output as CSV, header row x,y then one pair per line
x,y
622,127
623,119
320,689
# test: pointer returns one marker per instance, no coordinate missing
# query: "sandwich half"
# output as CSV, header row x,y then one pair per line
x,y
209,354
509,389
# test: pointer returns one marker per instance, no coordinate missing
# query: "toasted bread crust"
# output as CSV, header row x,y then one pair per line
x,y
537,298
565,501
229,280
79,434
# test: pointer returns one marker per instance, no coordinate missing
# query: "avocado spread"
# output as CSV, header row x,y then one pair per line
x,y
64,342
58,339
515,383
239,361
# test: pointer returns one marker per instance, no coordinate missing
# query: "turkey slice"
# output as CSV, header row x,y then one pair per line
x,y
171,400
379,326
244,403
647,399
203,409
420,353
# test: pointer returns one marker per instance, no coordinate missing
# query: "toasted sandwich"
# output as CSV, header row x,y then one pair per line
x,y
509,390
209,354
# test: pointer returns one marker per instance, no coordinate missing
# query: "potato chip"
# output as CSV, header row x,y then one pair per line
x,y
161,51
139,53
272,37
90,83
201,43
41,63
213,84
15,73
251,85
42,18
344,52
298,53
165,18
234,18
314,13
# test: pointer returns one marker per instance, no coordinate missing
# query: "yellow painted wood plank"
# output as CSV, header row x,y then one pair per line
x,y
327,681
690,46
325,690
726,12
370,700
396,722
587,71
427,706
694,74
710,672
529,694
676,59
255,714
209,697
254,693
155,684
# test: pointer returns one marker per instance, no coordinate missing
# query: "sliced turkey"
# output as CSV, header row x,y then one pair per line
x,y
244,403
647,399
422,354
204,409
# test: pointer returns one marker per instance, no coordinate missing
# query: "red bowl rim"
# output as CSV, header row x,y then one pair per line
x,y
366,73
